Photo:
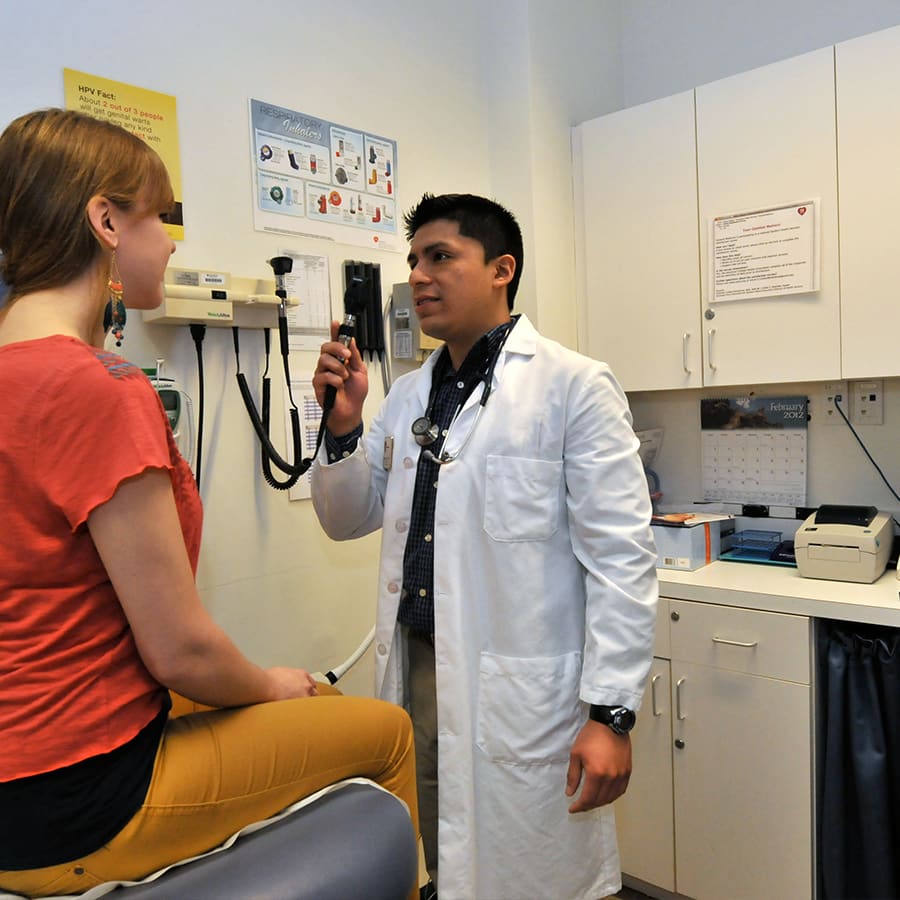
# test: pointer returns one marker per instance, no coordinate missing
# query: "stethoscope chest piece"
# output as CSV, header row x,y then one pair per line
x,y
425,431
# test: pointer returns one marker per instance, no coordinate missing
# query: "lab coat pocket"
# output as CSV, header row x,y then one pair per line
x,y
522,498
528,709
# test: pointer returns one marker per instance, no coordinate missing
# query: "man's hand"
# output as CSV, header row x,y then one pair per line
x,y
600,762
344,370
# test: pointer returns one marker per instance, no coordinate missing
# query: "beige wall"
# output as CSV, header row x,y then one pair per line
x,y
480,97
453,84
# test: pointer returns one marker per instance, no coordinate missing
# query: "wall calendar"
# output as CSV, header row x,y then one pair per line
x,y
754,449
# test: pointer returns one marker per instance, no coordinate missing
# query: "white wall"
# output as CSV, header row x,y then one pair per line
x,y
837,471
550,62
398,68
674,45
480,98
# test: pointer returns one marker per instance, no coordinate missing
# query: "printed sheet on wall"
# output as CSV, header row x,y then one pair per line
x,y
316,178
754,449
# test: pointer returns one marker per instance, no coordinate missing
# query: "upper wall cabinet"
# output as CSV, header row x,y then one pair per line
x,y
766,139
868,117
638,264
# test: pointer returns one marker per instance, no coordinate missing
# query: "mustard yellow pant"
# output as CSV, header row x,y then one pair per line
x,y
219,770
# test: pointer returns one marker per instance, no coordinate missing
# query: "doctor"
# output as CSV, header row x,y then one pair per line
x,y
517,586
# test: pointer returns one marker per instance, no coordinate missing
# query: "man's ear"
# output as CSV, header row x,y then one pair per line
x,y
504,269
102,215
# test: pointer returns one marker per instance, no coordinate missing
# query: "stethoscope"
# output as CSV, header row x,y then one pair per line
x,y
425,432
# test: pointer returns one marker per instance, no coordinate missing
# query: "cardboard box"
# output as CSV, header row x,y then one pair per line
x,y
689,542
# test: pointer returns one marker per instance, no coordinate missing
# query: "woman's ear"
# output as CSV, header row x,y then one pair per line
x,y
102,217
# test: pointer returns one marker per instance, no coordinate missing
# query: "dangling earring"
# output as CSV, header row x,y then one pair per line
x,y
114,314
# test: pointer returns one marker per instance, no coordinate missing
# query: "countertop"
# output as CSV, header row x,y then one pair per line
x,y
782,589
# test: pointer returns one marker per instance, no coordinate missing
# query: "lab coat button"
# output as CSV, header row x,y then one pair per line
x,y
407,463
393,587
382,650
401,526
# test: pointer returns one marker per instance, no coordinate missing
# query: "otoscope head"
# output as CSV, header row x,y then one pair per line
x,y
281,265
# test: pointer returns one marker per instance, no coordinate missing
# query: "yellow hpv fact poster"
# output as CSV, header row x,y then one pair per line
x,y
147,114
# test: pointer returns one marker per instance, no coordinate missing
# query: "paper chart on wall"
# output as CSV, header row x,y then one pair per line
x,y
754,449
310,416
309,322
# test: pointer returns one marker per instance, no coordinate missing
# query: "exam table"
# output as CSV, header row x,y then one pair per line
x,y
353,839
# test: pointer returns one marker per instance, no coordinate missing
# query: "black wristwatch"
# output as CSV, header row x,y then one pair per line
x,y
619,718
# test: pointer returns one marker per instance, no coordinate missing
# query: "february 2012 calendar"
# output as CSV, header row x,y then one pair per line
x,y
754,449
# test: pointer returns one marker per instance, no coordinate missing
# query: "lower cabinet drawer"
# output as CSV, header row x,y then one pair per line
x,y
774,645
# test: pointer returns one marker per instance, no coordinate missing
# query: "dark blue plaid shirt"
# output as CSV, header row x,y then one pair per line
x,y
447,396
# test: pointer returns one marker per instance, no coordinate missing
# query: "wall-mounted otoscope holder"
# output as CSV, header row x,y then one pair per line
x,y
218,299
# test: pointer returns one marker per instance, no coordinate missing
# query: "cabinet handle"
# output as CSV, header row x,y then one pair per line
x,y
678,714
718,640
709,348
684,352
656,711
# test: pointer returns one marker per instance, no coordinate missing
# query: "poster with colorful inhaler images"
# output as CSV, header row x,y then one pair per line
x,y
316,178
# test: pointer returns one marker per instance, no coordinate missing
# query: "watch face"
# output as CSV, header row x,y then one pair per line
x,y
619,718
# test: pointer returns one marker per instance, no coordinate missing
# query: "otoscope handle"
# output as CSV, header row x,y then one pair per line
x,y
283,338
345,336
347,330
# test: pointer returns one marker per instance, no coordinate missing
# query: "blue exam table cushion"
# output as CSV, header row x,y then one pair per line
x,y
351,839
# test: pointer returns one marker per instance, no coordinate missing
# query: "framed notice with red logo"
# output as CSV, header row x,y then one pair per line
x,y
771,252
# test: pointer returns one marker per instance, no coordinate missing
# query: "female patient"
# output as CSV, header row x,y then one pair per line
x,y
99,614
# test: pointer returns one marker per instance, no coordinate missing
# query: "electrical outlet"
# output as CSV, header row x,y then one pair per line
x,y
835,390
867,402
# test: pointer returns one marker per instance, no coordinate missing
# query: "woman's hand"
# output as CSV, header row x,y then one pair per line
x,y
289,683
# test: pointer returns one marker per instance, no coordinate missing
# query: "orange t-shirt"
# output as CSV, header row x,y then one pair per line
x,y
77,421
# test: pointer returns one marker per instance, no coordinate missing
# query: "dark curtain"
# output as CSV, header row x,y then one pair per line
x,y
859,758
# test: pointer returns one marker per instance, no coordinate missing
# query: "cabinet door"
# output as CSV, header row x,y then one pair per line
x,y
638,265
867,71
644,820
765,139
743,795
742,752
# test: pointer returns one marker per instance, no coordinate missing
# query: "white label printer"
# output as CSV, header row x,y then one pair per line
x,y
844,543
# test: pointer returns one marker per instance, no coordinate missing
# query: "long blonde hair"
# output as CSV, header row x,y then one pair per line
x,y
52,162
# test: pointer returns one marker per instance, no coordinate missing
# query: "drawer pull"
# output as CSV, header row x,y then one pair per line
x,y
656,711
684,352
678,714
718,640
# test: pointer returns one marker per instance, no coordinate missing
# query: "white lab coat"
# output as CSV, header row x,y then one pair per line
x,y
545,595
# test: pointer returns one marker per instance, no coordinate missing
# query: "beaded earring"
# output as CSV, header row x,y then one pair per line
x,y
114,314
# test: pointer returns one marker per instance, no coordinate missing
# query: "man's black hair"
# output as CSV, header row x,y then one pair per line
x,y
486,221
